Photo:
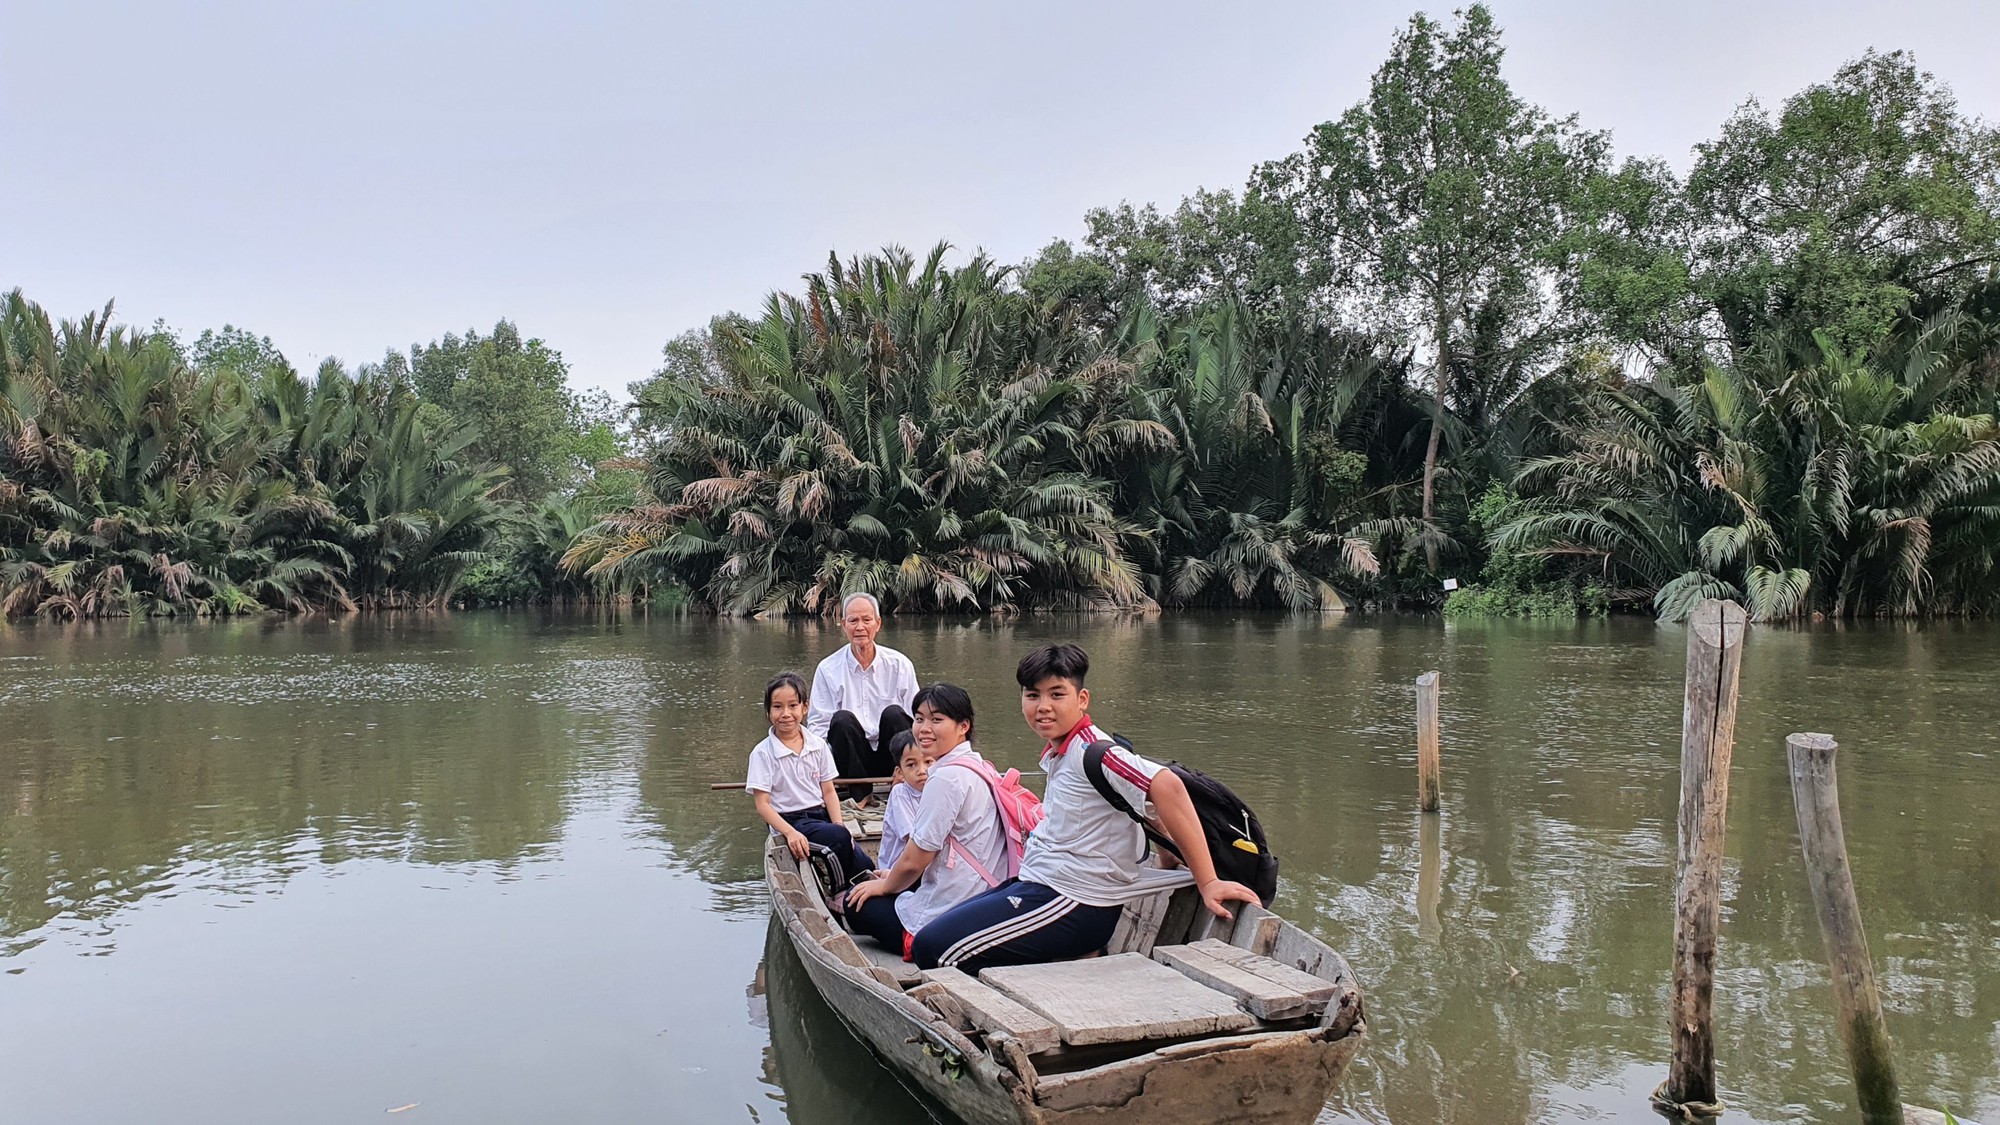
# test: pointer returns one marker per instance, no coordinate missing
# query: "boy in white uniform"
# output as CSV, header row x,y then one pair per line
x,y
1086,859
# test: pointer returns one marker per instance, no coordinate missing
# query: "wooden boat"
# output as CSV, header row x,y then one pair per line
x,y
1186,1018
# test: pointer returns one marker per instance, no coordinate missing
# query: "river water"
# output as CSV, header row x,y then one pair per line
x,y
316,871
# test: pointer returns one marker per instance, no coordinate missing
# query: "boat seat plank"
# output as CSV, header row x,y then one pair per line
x,y
991,1010
1318,990
1118,999
1266,999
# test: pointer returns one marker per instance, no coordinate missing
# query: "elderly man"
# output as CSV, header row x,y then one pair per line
x,y
861,695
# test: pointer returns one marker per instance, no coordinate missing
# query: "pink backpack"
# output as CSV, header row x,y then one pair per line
x,y
1020,812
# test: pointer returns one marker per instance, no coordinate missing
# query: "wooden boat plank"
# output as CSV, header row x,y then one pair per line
x,y
1181,905
1274,1077
1256,930
1139,925
1118,999
992,1010
1318,990
902,972
1266,999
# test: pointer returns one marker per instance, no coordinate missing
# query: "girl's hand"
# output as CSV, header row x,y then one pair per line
x,y
863,891
1215,892
801,847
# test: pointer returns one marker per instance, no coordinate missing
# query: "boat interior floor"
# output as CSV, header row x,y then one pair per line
x,y
882,957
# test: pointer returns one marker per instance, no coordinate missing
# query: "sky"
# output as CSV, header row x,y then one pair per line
x,y
348,178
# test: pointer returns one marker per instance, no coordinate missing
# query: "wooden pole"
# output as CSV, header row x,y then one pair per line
x,y
1708,737
837,781
1427,742
1816,794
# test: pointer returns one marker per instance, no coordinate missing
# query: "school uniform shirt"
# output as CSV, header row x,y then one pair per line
x,y
1085,848
896,820
840,683
791,777
956,805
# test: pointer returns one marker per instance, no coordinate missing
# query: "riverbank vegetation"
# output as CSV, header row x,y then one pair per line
x,y
1449,338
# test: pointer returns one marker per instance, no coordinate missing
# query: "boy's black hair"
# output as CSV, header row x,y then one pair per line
x,y
901,742
1064,662
786,679
949,700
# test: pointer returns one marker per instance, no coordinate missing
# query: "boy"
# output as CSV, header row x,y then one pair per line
x,y
1084,862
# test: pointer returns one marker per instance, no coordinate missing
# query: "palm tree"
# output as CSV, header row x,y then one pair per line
x,y
920,431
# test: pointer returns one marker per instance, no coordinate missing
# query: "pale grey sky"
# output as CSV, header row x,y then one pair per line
x,y
346,177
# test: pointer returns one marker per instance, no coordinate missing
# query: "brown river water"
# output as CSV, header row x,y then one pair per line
x,y
313,871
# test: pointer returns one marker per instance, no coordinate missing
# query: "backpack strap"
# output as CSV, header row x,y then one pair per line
x,y
954,849
1093,768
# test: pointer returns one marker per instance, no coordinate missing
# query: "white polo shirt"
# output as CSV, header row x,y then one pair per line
x,y
791,777
956,804
840,683
1084,847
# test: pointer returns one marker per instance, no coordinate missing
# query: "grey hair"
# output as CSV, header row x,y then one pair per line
x,y
850,599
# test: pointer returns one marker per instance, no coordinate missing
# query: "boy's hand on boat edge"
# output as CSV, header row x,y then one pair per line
x,y
801,847
1215,892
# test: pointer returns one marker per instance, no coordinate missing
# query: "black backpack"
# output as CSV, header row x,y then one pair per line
x,y
1235,839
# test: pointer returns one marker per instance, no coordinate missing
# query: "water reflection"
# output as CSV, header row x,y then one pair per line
x,y
827,1076
1515,948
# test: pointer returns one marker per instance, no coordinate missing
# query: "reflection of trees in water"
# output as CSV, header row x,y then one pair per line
x,y
224,755
827,1076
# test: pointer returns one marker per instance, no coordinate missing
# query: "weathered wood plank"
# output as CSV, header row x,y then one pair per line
x,y
1206,924
1139,925
1181,907
991,1010
1118,999
1256,930
1316,989
939,999
1266,999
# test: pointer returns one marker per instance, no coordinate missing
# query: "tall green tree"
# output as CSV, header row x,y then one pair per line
x,y
1865,198
1438,208
514,394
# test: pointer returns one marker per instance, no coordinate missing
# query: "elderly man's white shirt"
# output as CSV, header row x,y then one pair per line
x,y
840,683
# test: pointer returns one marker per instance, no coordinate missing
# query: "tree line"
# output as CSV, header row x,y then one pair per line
x,y
141,475
1449,338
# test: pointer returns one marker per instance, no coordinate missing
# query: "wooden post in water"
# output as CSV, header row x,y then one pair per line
x,y
1708,737
1427,742
1816,794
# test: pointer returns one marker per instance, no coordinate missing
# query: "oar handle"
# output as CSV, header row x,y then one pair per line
x,y
836,781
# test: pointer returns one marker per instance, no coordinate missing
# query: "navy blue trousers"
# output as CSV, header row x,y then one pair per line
x,y
877,918
1015,923
813,825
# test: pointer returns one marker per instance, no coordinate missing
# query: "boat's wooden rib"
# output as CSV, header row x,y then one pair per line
x,y
988,1072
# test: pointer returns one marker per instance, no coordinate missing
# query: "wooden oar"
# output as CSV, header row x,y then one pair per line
x,y
836,781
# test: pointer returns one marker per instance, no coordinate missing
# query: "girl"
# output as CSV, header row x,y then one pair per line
x,y
791,780
956,810
913,763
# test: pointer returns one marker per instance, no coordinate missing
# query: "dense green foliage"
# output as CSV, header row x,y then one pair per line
x,y
141,477
1445,338
1449,338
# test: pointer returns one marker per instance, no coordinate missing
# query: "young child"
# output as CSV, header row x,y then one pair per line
x,y
913,764
1084,862
791,780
